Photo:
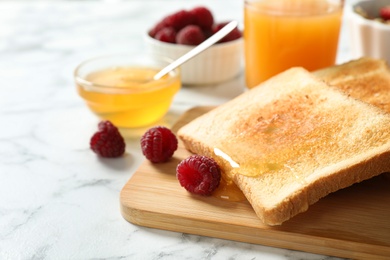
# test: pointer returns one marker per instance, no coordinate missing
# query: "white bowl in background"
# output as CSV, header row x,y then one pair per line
x,y
220,62
368,37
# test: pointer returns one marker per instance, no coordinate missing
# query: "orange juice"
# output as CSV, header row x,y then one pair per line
x,y
127,96
280,34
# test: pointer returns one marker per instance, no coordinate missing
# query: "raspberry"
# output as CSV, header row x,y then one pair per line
x,y
167,34
207,33
385,12
159,26
199,174
202,17
190,35
179,20
158,144
107,142
233,35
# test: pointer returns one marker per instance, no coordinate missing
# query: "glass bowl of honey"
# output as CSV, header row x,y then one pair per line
x,y
120,88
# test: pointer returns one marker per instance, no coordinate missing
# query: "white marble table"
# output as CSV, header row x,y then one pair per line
x,y
57,199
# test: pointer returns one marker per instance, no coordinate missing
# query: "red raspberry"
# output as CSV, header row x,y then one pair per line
x,y
202,17
167,34
179,20
190,35
207,33
159,26
233,35
107,142
199,174
158,144
385,12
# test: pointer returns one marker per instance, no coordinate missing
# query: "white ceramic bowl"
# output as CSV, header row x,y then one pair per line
x,y
221,62
368,37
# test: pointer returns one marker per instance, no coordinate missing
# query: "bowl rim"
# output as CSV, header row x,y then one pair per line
x,y
184,46
91,86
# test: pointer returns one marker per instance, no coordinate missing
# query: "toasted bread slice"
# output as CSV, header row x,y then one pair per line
x,y
366,79
291,141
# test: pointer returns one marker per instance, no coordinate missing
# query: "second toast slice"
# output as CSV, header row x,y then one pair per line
x,y
291,141
366,79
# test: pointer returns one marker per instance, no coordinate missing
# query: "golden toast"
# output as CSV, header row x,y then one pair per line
x,y
366,79
293,140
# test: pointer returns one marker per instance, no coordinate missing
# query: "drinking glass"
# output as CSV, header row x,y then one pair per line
x,y
280,34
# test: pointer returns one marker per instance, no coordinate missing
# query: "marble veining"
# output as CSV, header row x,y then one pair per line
x,y
57,199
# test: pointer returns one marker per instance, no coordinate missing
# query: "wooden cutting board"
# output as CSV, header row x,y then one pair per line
x,y
351,223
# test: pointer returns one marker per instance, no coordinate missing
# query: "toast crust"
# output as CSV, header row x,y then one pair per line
x,y
330,181
295,140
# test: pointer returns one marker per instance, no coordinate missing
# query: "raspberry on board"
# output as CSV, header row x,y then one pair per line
x,y
385,12
158,144
199,174
166,34
107,141
202,17
190,35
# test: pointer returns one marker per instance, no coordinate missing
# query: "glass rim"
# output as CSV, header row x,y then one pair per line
x,y
338,5
79,79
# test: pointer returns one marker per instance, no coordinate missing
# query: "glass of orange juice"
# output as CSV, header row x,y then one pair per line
x,y
120,88
280,34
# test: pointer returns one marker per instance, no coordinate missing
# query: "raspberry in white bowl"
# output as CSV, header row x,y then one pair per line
x,y
179,32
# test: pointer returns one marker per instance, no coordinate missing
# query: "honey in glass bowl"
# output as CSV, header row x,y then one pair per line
x,y
121,89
